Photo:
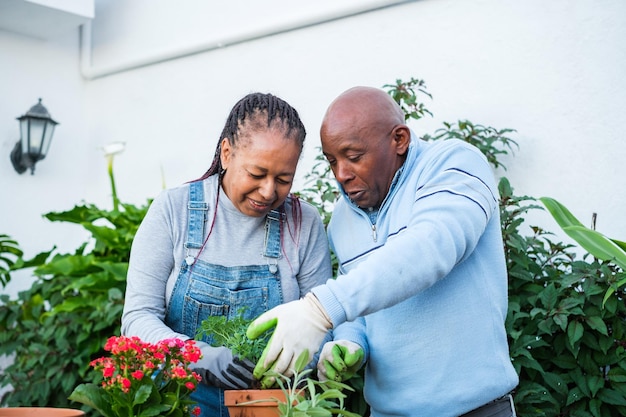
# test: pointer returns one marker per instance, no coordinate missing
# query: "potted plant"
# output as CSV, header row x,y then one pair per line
x,y
299,395
143,379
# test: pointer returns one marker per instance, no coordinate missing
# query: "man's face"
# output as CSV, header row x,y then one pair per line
x,y
363,161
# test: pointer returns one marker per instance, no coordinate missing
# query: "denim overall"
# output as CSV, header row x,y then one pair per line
x,y
203,289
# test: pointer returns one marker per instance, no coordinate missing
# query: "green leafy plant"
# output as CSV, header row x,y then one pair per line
x,y
597,244
56,327
143,379
231,333
305,396
10,255
408,95
492,142
568,350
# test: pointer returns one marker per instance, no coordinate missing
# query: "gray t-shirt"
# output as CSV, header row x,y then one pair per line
x,y
236,239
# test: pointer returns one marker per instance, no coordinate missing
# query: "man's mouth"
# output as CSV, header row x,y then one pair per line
x,y
355,195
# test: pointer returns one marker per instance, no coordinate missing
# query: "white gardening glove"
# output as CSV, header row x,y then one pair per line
x,y
219,368
339,360
299,325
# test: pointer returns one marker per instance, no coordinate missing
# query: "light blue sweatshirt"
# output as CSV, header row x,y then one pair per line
x,y
424,288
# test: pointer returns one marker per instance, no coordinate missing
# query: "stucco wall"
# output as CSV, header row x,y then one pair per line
x,y
552,70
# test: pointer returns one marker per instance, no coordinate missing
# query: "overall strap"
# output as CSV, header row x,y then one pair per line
x,y
273,222
198,211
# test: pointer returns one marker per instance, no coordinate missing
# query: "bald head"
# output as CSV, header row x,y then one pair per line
x,y
365,141
363,106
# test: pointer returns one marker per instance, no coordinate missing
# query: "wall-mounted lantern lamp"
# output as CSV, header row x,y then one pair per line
x,y
36,129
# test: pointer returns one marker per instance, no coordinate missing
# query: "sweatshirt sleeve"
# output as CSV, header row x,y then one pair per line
x,y
151,263
454,200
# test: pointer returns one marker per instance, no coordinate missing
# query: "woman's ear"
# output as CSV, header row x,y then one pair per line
x,y
401,138
226,153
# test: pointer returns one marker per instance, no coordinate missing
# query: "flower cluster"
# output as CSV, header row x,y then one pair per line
x,y
140,378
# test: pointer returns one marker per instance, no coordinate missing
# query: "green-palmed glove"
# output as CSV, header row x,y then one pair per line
x,y
339,360
299,325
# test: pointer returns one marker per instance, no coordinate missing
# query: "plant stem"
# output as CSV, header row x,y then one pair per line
x,y
116,201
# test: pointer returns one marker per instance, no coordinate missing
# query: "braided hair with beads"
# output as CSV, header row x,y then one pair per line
x,y
253,113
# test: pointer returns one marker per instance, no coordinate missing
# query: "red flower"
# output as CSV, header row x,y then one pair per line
x,y
125,384
133,363
108,370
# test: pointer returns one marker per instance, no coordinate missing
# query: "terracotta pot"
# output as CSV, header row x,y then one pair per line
x,y
40,412
233,399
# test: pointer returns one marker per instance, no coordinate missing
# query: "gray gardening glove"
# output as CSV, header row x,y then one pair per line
x,y
219,368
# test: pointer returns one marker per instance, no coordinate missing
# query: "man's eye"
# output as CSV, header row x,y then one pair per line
x,y
353,158
257,177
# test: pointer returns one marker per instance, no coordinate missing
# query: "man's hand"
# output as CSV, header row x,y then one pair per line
x,y
299,325
339,361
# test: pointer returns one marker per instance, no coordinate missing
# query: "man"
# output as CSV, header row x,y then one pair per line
x,y
422,292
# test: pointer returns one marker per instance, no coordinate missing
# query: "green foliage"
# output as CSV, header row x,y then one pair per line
x,y
567,348
594,242
320,187
492,142
231,333
306,396
408,95
55,328
10,255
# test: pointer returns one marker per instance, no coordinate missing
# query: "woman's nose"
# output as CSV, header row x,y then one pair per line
x,y
267,189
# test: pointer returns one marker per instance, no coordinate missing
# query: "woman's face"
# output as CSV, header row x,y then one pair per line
x,y
259,170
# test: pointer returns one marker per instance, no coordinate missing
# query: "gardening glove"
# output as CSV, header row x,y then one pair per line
x,y
339,360
299,325
218,367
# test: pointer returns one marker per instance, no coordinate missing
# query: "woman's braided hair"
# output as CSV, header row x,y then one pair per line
x,y
254,113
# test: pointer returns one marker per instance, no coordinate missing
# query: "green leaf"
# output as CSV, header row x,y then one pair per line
x,y
549,297
610,396
93,396
302,361
597,244
617,375
556,382
574,332
560,213
595,383
561,320
596,323
142,394
574,395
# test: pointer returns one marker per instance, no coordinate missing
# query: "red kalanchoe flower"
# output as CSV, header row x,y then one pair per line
x,y
133,364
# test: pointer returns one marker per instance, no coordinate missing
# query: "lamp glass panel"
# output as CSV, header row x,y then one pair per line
x,y
37,127
24,124
47,140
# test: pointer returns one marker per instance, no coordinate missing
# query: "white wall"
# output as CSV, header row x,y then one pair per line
x,y
552,70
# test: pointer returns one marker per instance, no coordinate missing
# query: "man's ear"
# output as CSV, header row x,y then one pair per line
x,y
402,138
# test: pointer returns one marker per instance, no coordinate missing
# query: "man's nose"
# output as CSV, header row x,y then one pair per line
x,y
342,172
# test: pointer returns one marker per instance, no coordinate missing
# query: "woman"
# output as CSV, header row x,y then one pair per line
x,y
233,238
